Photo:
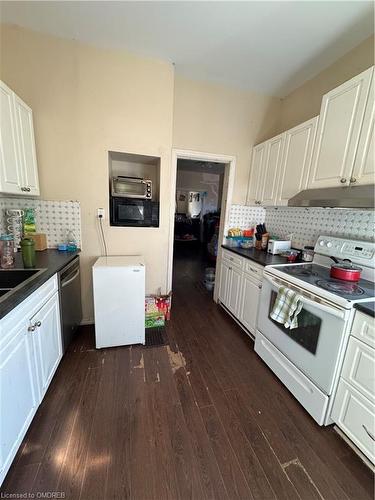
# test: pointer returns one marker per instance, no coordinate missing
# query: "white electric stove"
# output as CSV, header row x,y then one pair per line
x,y
308,359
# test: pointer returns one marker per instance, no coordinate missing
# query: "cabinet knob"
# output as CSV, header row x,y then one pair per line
x,y
343,180
28,189
38,324
31,328
23,189
353,180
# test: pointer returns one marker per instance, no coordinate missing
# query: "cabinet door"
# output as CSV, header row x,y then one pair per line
x,y
10,173
234,291
25,132
296,162
249,303
270,169
339,127
364,166
47,342
256,174
18,395
224,282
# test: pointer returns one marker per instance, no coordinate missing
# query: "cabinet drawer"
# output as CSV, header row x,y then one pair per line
x,y
364,328
359,367
254,270
355,415
233,259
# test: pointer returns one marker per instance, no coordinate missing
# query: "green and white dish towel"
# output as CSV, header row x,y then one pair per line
x,y
288,305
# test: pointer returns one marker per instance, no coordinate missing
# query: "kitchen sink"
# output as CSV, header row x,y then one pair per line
x,y
10,279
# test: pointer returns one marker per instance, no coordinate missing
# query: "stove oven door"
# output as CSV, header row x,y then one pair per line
x,y
314,346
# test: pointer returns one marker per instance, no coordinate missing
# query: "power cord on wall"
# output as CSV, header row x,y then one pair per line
x,y
102,234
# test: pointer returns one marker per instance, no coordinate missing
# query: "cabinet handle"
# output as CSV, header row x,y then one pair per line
x,y
260,287
230,268
368,432
252,269
353,180
343,180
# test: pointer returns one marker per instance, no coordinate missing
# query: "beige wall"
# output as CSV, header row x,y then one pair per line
x,y
217,119
87,101
304,102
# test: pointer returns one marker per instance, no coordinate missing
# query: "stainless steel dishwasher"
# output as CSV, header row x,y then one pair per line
x,y
70,301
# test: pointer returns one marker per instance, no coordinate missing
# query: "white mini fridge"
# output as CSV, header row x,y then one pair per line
x,y
119,300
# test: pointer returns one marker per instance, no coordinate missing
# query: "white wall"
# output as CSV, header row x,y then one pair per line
x,y
86,102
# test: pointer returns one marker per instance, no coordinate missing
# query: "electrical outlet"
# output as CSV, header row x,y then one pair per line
x,y
100,213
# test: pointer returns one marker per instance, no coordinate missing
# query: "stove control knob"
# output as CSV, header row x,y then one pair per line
x,y
329,244
322,243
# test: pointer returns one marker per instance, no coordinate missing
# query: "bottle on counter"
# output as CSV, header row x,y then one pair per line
x,y
28,252
7,251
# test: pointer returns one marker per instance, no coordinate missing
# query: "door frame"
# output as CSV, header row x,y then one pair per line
x,y
226,201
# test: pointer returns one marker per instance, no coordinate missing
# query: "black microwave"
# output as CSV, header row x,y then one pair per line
x,y
134,212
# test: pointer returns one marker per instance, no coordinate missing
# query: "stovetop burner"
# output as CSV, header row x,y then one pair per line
x,y
319,276
346,288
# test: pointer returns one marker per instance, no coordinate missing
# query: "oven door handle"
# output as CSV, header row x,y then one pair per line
x,y
339,313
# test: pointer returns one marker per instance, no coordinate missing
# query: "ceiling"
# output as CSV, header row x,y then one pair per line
x,y
265,46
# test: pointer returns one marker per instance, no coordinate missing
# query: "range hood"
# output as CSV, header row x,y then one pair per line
x,y
335,197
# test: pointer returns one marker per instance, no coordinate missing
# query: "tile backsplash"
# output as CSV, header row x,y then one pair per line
x,y
306,224
245,217
54,218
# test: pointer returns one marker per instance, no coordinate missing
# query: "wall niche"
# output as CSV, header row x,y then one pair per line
x,y
129,207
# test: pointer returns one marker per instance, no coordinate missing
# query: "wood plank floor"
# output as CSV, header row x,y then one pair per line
x,y
202,418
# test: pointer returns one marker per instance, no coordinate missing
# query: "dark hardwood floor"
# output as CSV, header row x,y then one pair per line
x,y
202,418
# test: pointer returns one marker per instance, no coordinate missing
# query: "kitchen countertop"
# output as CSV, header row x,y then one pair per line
x,y
260,256
50,260
366,307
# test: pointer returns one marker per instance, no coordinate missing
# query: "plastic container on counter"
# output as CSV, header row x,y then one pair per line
x,y
6,251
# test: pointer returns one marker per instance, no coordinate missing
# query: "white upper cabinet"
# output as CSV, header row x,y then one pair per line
x,y
364,166
10,172
256,174
296,162
18,166
339,128
25,132
270,170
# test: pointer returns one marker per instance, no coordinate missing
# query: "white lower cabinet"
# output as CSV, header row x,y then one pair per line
x,y
47,342
30,351
18,393
239,288
249,302
234,289
353,409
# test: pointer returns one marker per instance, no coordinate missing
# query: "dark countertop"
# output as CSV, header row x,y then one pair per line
x,y
366,307
50,260
260,256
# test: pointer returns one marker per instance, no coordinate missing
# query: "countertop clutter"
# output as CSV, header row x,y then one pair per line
x,y
51,261
260,256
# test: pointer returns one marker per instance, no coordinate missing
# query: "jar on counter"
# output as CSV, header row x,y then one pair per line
x,y
308,254
28,252
6,251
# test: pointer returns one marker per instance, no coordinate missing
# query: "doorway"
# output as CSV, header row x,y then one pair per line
x,y
202,189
